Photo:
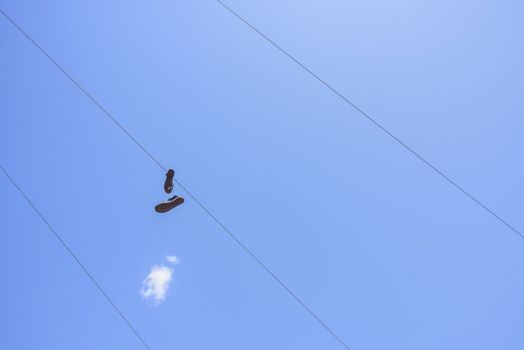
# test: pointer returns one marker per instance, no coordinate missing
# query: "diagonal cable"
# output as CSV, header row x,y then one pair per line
x,y
77,260
199,203
372,120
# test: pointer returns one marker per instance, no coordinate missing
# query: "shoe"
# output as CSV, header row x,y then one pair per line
x,y
170,204
168,184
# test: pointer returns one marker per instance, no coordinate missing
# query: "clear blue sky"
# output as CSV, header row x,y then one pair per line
x,y
386,252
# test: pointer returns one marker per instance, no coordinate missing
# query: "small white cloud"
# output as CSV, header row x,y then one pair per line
x,y
156,284
173,259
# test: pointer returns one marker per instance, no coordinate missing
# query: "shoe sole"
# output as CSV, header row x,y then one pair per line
x,y
168,184
167,206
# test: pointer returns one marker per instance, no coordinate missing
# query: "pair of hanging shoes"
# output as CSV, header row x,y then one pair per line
x,y
172,202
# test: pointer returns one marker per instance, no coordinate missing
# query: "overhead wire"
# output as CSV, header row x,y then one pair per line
x,y
76,259
371,119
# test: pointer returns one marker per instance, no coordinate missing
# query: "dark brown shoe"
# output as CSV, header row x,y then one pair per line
x,y
168,184
170,204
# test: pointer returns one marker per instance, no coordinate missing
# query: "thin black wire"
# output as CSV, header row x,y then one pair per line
x,y
200,204
372,120
282,284
73,255
82,89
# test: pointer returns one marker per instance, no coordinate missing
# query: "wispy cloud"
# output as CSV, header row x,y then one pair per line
x,y
156,284
173,259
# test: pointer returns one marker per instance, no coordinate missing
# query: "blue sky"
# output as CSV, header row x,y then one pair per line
x,y
385,251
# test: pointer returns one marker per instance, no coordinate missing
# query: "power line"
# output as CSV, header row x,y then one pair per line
x,y
261,264
76,259
82,89
372,120
199,203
